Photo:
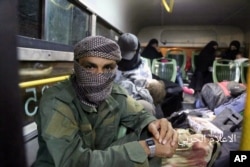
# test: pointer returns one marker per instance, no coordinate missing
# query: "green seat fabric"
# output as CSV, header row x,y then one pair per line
x,y
165,70
243,71
121,132
180,58
225,70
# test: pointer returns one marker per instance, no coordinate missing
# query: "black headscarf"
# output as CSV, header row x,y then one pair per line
x,y
231,54
150,52
206,57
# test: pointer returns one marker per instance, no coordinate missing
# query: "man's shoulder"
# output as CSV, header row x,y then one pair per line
x,y
132,104
57,98
59,89
118,89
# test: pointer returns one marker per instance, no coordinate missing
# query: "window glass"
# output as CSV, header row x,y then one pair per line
x,y
29,18
102,30
114,35
106,30
64,22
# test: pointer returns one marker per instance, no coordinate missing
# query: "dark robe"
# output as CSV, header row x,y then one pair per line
x,y
204,60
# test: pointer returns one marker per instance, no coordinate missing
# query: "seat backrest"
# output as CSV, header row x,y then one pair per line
x,y
31,142
180,58
121,131
225,70
165,69
243,71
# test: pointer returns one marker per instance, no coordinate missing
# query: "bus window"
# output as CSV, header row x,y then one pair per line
x,y
29,18
105,30
64,22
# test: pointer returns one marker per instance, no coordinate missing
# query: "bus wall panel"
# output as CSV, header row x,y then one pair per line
x,y
191,36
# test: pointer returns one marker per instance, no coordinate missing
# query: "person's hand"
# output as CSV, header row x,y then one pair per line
x,y
161,150
163,132
199,153
164,150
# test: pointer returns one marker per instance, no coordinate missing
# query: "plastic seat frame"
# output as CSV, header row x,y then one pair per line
x,y
229,69
173,53
243,71
170,66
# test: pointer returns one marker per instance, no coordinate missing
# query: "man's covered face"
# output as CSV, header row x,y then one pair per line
x,y
95,59
94,78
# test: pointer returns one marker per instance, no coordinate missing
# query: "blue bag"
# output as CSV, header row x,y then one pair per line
x,y
236,104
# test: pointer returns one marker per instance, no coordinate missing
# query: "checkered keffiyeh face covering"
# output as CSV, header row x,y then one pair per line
x,y
90,87
97,46
93,88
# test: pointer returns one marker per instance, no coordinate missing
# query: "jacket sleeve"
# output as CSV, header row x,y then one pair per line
x,y
135,117
59,131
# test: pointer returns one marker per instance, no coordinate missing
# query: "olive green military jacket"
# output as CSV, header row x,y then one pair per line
x,y
72,134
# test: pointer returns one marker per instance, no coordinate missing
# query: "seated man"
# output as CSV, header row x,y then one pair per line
x,y
165,94
134,74
79,119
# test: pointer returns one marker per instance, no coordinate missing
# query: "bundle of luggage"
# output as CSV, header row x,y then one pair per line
x,y
217,116
221,95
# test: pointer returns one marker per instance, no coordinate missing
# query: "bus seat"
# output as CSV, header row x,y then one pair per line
x,y
121,132
225,70
165,70
31,142
243,71
31,148
180,58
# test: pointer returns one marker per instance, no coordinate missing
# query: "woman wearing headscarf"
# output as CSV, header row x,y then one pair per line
x,y
232,51
205,59
152,51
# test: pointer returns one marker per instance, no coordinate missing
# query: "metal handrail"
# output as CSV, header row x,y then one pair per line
x,y
42,81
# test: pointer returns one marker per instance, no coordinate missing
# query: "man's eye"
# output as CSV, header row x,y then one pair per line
x,y
88,67
109,68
